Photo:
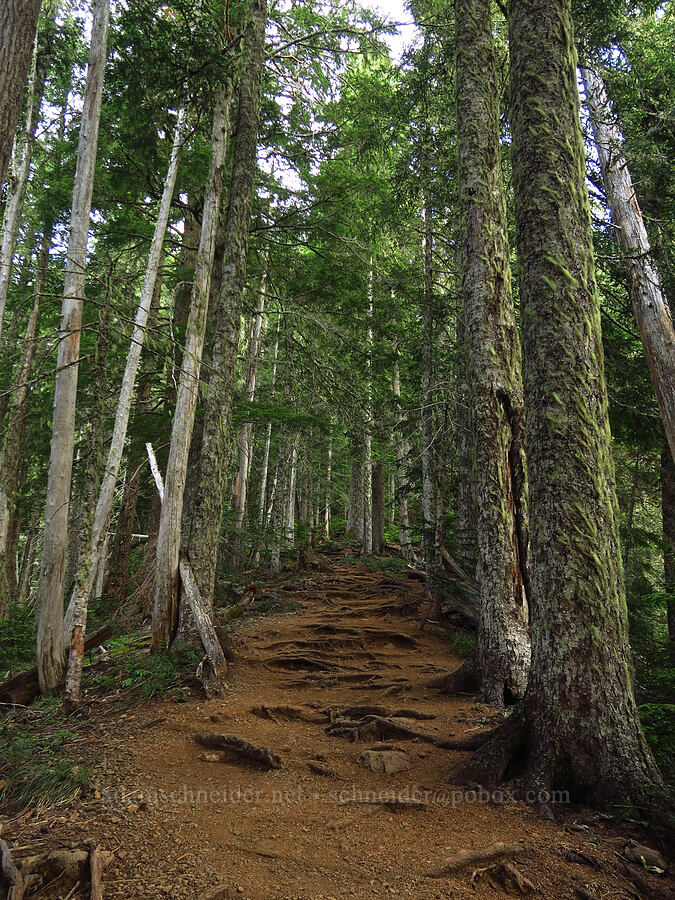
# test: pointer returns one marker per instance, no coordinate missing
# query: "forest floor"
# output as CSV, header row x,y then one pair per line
x,y
183,823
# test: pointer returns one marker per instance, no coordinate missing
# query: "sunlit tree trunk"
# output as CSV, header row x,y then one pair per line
x,y
165,606
90,563
18,24
209,493
50,647
650,305
493,366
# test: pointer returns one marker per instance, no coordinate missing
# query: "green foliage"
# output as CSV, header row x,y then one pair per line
x,y
144,674
36,769
17,639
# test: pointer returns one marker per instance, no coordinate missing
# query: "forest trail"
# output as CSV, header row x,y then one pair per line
x,y
184,825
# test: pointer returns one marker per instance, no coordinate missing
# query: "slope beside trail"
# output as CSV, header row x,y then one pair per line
x,y
184,823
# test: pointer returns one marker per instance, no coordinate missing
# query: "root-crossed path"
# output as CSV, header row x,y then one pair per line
x,y
314,687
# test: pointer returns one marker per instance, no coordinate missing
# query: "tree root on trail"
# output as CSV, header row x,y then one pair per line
x,y
505,876
240,748
354,712
11,879
373,727
290,713
473,858
464,680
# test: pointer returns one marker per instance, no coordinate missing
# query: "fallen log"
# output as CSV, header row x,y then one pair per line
x,y
474,858
11,880
237,746
24,687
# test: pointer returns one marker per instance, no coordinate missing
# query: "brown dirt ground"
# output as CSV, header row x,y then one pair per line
x,y
181,826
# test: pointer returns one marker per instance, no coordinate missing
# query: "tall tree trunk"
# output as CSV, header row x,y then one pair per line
x,y
165,607
465,510
76,615
494,366
428,486
28,557
18,24
668,512
264,473
245,441
402,454
10,457
117,576
578,726
355,528
367,541
378,508
650,305
289,499
17,196
329,473
50,647
209,494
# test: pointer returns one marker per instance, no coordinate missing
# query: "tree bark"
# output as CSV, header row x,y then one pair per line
x,y
245,441
402,454
17,196
209,495
355,529
367,540
378,508
10,458
428,486
493,366
76,615
326,508
165,607
668,512
51,659
578,727
650,306
18,24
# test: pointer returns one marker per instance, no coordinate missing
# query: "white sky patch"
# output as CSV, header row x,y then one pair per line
x,y
394,11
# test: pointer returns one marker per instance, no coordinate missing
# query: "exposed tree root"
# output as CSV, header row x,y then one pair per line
x,y
240,748
464,680
495,753
473,858
505,876
11,880
374,728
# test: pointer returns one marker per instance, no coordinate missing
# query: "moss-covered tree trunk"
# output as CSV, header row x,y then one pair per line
x,y
18,24
493,366
668,511
209,492
578,726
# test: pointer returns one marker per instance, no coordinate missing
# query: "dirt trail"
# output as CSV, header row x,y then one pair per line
x,y
187,827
